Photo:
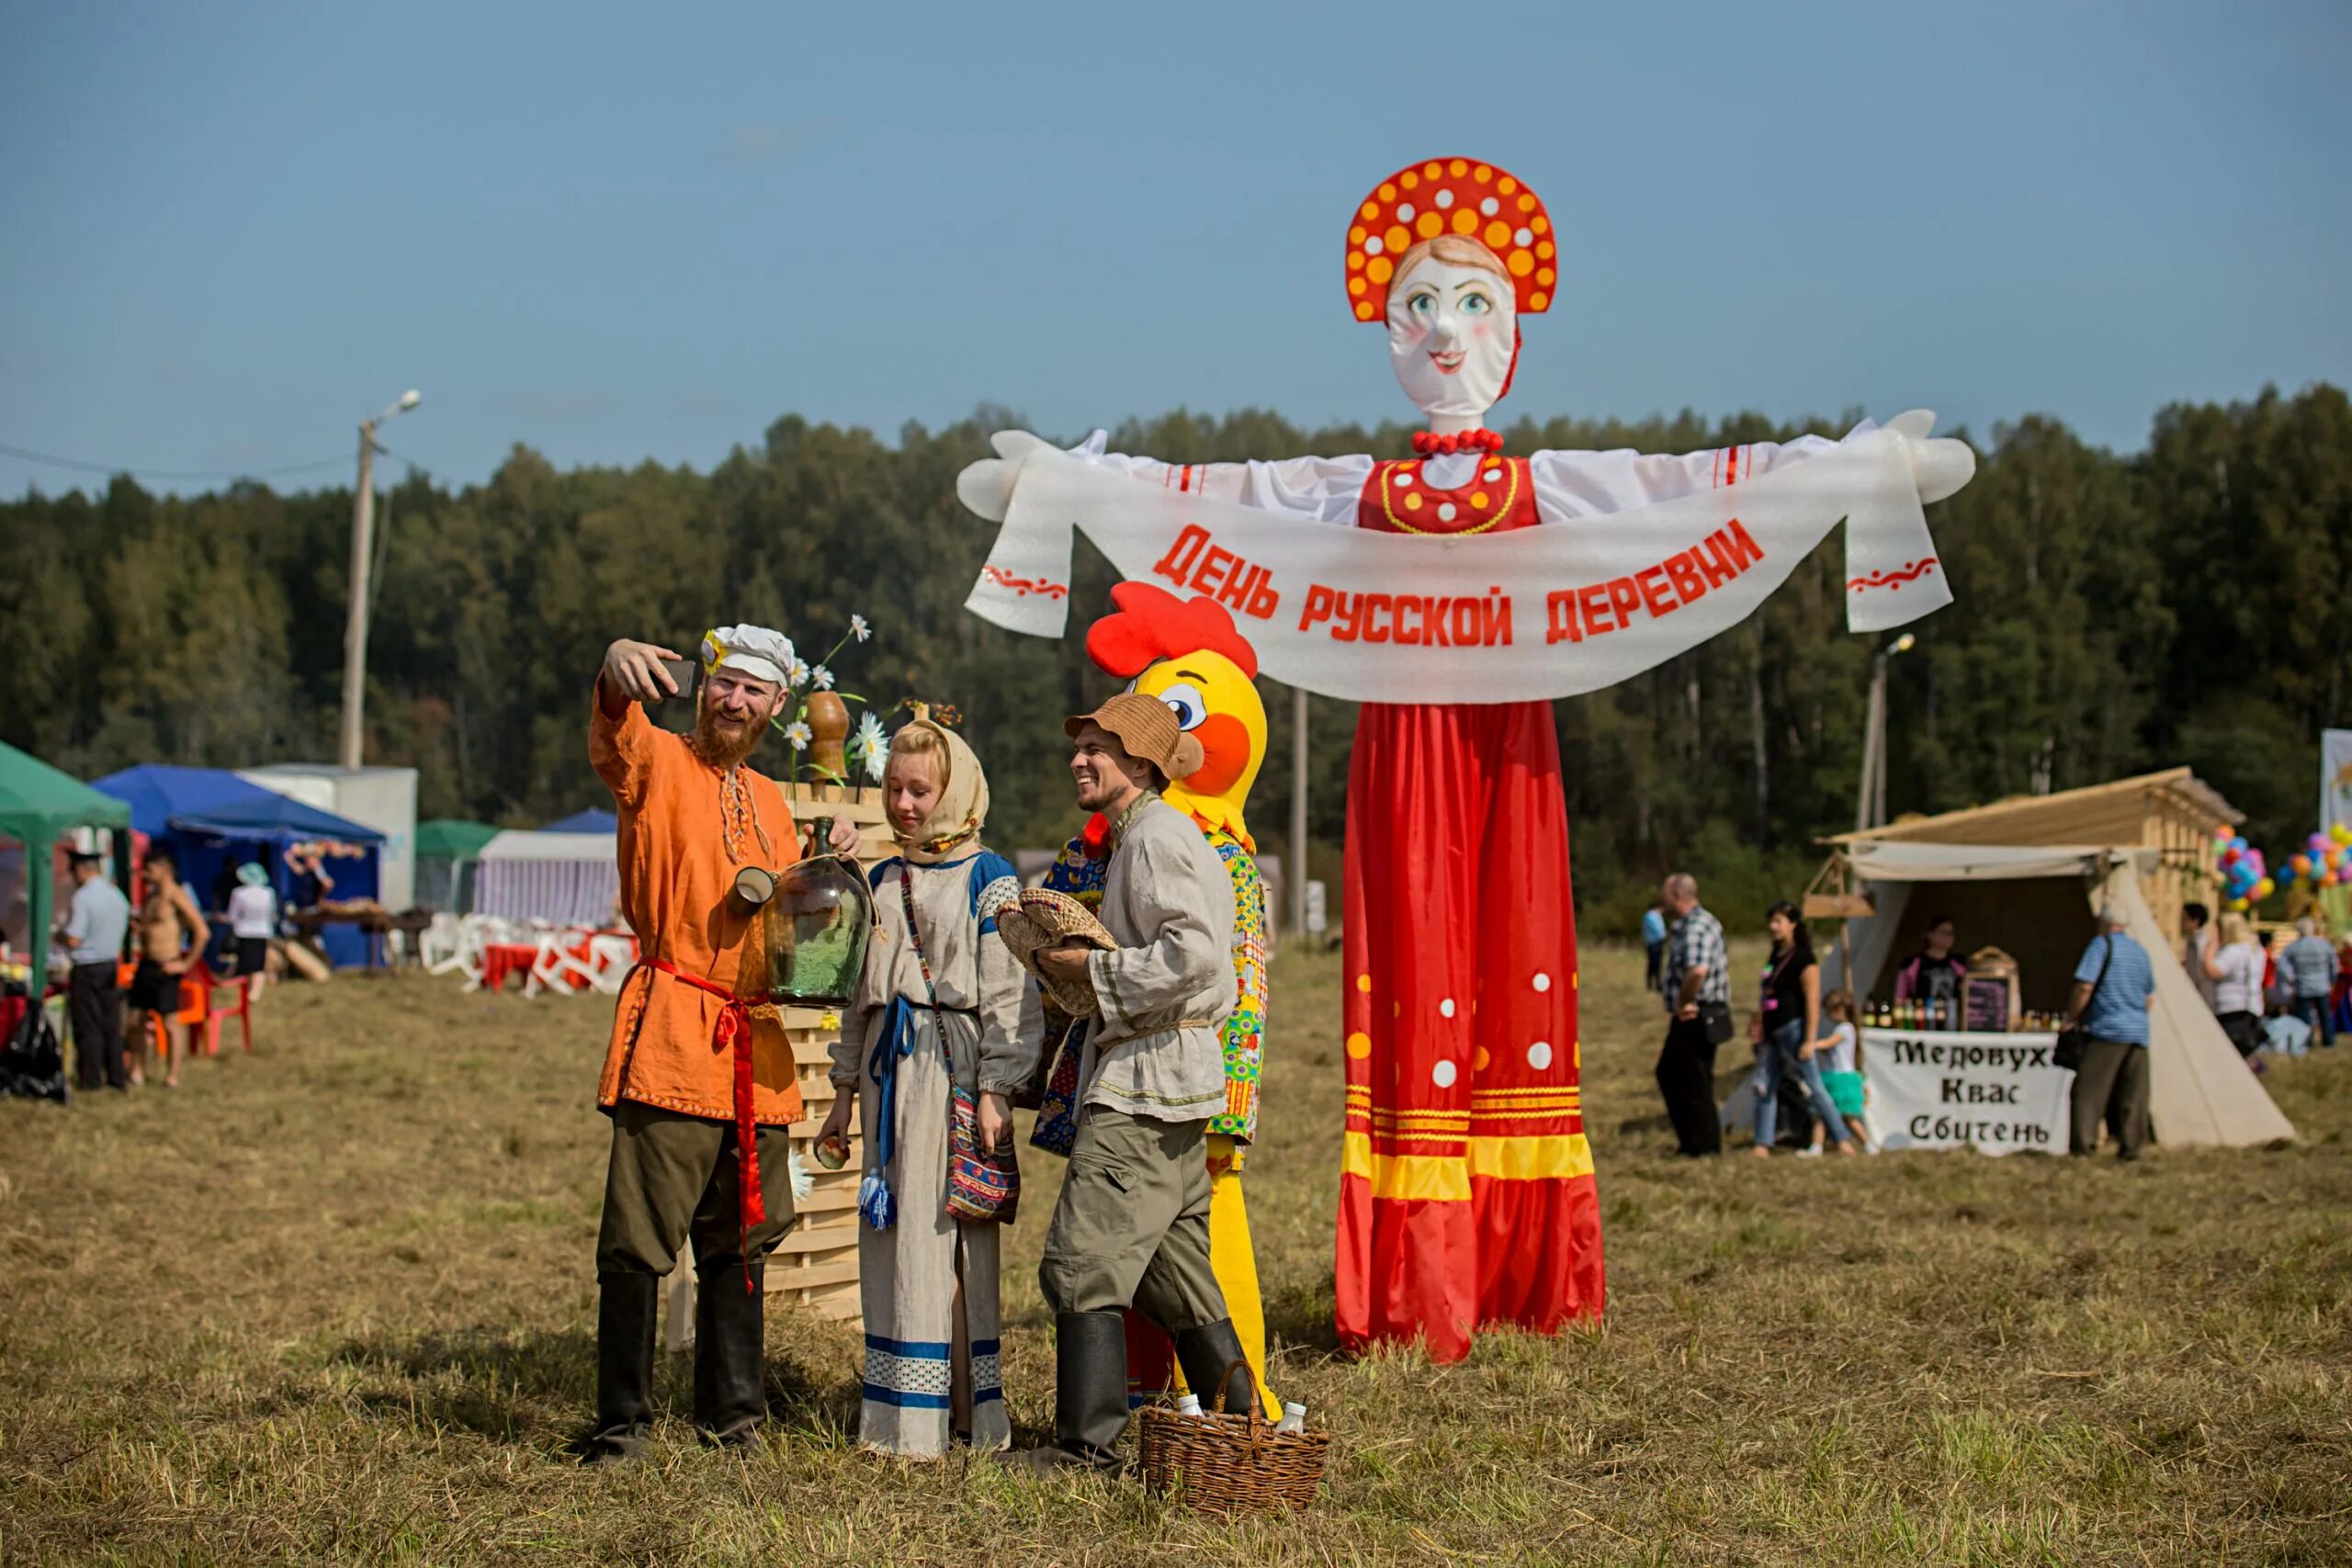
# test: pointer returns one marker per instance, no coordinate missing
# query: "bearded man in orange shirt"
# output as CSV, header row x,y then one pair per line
x,y
701,1093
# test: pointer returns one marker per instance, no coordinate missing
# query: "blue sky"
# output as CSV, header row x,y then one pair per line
x,y
615,233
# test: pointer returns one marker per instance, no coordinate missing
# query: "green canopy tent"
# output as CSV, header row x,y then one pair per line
x,y
38,804
447,849
446,837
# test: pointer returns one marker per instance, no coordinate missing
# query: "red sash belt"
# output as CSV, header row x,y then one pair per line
x,y
733,1031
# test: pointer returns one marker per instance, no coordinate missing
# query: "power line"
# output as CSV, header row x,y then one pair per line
x,y
55,461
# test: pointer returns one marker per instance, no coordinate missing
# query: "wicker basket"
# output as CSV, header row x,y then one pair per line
x,y
1230,1465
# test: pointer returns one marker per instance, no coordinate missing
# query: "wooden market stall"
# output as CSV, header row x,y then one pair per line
x,y
2172,812
2026,875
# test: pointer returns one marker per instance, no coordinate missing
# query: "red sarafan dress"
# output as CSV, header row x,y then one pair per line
x,y
1467,1193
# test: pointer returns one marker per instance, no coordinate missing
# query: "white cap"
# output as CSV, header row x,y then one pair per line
x,y
755,650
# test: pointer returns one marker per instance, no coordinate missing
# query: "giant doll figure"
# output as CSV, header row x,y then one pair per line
x,y
1467,1192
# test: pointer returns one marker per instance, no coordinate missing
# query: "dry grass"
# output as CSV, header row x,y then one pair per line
x,y
333,1302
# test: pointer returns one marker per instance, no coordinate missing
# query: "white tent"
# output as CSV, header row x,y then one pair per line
x,y
567,879
2038,903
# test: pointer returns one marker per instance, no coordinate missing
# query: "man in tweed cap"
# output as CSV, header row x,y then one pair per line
x,y
1132,1227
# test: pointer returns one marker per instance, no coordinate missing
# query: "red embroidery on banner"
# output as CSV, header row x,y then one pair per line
x,y
1024,586
1893,581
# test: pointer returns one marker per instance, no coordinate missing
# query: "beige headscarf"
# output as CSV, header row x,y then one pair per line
x,y
953,829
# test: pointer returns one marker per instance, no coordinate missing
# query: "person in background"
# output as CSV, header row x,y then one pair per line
x,y
2197,937
1934,973
1654,942
97,921
1840,1055
2308,969
252,920
173,936
1697,990
2232,970
2114,987
1790,1022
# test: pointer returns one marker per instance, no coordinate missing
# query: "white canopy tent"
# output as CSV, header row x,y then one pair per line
x,y
2039,903
566,879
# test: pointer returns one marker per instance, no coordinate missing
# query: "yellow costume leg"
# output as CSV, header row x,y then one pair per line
x,y
1236,1263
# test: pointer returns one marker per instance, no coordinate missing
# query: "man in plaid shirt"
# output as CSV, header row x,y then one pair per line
x,y
1697,990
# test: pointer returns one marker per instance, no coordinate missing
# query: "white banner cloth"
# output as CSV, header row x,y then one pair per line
x,y
1523,615
1996,1092
2335,778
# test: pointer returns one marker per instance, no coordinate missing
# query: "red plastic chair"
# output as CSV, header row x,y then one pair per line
x,y
240,989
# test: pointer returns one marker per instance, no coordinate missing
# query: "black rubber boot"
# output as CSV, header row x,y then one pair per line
x,y
730,1360
1090,1395
625,1305
1205,1353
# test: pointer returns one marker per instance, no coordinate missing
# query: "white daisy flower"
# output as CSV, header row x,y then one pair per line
x,y
823,677
798,733
799,674
859,630
870,746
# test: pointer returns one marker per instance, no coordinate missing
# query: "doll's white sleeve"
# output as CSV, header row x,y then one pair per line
x,y
1570,485
1320,490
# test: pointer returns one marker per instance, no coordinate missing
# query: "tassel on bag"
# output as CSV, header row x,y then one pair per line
x,y
876,1205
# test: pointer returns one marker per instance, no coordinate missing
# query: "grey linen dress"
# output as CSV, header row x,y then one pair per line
x,y
916,1350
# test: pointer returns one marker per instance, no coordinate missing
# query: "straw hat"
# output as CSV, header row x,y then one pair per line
x,y
1039,919
1146,728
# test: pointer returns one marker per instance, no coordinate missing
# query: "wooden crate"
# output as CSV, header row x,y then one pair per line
x,y
815,1268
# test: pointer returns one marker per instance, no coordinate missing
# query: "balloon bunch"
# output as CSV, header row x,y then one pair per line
x,y
2245,880
2325,859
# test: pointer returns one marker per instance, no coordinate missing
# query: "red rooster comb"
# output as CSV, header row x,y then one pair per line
x,y
1151,623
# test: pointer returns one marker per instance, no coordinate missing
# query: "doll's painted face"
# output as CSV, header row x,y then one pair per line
x,y
1451,329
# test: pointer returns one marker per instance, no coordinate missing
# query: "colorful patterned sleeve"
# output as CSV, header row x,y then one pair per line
x,y
1245,1031
1065,1038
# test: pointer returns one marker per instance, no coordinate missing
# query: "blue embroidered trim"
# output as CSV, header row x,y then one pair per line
x,y
877,1394
921,1349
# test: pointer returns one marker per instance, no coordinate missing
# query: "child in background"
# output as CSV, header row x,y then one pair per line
x,y
1841,1070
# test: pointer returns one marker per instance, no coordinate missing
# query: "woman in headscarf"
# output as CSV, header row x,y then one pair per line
x,y
940,1001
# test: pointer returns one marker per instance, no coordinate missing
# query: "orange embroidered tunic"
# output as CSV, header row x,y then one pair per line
x,y
684,831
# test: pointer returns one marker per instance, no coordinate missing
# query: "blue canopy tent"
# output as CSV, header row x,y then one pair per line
x,y
214,820
595,820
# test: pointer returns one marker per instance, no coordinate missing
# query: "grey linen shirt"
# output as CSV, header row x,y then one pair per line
x,y
1168,902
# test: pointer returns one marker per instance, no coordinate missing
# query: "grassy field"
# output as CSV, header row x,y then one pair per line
x,y
333,1302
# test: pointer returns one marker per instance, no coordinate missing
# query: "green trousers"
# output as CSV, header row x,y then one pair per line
x,y
674,1176
1132,1228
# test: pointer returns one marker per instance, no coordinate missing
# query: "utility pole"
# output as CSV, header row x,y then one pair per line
x,y
1298,813
354,627
1870,804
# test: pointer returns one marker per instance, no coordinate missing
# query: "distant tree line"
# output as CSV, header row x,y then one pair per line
x,y
2189,603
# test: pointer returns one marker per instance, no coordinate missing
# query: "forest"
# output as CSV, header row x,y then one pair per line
x,y
2115,613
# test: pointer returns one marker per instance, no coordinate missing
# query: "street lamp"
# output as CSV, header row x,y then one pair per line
x,y
1870,808
355,630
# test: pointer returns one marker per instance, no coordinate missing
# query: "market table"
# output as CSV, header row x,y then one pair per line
x,y
500,959
1996,1092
